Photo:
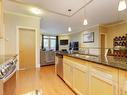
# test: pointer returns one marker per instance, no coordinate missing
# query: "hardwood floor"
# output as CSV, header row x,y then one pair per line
x,y
43,79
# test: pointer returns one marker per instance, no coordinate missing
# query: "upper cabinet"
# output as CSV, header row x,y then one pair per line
x,y
1,20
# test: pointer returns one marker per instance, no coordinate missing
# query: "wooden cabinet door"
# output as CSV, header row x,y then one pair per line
x,y
80,79
68,74
103,81
122,82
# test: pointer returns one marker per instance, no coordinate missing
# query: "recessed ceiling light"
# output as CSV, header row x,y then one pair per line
x,y
36,11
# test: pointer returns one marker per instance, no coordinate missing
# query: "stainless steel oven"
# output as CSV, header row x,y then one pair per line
x,y
8,77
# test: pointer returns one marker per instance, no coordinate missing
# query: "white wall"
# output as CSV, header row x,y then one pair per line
x,y
12,21
63,37
96,42
79,37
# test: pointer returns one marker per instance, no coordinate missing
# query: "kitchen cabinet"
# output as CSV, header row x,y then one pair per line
x,y
122,82
103,80
1,19
47,57
76,75
68,72
89,78
81,79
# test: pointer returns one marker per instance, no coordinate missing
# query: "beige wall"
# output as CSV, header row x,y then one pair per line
x,y
12,21
115,30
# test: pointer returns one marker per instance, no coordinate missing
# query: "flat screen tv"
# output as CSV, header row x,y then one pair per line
x,y
63,42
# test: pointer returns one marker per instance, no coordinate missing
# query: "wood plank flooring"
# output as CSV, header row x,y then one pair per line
x,y
43,79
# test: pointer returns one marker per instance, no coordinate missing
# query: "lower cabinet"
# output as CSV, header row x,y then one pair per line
x,y
80,79
68,74
103,80
122,82
87,78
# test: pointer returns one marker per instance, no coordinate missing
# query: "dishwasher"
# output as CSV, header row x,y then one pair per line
x,y
59,65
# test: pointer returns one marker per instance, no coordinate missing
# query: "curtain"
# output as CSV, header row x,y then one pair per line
x,y
57,43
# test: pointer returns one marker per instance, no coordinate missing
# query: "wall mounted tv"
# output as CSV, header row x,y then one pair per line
x,y
63,42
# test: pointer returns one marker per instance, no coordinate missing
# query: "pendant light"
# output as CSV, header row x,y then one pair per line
x,y
85,22
69,28
122,5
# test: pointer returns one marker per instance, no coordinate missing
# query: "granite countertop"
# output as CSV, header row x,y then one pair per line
x,y
112,61
6,58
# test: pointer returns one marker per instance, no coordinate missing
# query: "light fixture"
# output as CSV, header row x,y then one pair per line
x,y
69,28
85,22
36,11
122,5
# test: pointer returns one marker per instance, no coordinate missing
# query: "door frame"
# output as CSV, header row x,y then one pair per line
x,y
105,39
17,45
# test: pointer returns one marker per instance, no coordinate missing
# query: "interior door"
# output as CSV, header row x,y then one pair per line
x,y
26,48
102,44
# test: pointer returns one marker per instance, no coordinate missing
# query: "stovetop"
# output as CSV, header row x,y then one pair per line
x,y
6,58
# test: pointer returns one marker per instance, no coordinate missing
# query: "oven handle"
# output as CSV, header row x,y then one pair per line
x,y
9,76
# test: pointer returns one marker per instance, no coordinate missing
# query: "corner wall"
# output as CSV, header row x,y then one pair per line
x,y
12,21
115,30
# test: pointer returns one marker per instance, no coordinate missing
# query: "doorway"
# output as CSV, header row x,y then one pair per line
x,y
103,44
27,48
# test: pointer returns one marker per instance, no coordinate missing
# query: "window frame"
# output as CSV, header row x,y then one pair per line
x,y
49,41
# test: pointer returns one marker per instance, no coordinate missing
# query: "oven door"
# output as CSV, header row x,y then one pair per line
x,y
9,84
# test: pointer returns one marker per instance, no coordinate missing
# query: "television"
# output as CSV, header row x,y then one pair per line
x,y
63,42
74,46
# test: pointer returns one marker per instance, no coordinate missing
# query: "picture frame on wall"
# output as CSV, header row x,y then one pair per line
x,y
88,37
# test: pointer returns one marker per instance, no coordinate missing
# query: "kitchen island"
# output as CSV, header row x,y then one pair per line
x,y
95,75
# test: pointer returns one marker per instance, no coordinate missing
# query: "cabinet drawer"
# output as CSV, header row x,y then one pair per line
x,y
104,71
83,68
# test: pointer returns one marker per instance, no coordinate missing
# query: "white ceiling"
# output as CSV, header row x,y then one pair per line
x,y
55,22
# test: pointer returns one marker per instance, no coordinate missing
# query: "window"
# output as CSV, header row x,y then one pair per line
x,y
46,44
49,42
53,44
